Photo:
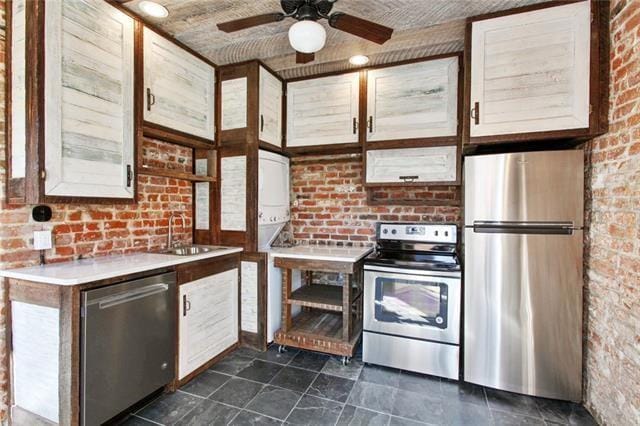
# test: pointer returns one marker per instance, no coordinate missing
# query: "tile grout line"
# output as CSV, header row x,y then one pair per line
x,y
300,399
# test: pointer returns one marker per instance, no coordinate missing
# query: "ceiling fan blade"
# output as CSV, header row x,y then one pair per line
x,y
360,27
304,58
253,21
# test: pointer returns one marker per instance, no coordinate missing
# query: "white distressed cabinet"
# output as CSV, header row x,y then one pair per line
x,y
323,111
89,114
436,164
233,193
233,104
249,296
530,71
208,322
413,101
270,121
179,88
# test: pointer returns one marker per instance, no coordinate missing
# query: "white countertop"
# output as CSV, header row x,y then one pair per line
x,y
102,268
330,253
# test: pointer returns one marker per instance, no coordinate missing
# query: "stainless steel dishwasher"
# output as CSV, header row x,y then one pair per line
x,y
127,344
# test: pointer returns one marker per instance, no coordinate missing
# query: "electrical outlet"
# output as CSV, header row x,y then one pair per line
x,y
42,240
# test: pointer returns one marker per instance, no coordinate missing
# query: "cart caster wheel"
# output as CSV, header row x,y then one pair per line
x,y
282,349
346,360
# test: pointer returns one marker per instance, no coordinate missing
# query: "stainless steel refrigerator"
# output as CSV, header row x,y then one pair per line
x,y
523,272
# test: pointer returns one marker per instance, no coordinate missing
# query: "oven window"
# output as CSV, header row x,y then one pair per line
x,y
411,302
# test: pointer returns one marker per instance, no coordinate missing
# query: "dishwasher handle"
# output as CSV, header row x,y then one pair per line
x,y
129,296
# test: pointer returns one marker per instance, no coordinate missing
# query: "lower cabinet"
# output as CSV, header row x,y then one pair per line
x,y
208,322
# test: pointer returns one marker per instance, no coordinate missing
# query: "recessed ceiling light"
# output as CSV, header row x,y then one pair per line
x,y
154,9
358,60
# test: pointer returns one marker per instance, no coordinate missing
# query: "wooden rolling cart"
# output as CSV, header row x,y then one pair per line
x,y
331,316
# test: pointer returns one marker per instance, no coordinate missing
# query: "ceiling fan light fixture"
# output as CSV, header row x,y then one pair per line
x,y
153,9
307,36
358,60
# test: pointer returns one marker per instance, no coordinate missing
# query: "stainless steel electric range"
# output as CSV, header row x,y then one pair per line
x,y
412,294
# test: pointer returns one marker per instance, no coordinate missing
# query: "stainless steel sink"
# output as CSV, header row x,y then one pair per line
x,y
191,250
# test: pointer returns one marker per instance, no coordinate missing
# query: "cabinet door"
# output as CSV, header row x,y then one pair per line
x,y
323,111
418,100
249,296
89,115
436,164
208,319
270,108
233,193
234,104
179,88
530,71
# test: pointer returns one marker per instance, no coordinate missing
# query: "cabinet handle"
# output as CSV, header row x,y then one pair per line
x,y
151,99
355,125
129,175
370,124
261,123
475,113
409,178
186,305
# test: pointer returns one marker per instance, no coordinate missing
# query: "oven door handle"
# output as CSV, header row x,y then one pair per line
x,y
402,271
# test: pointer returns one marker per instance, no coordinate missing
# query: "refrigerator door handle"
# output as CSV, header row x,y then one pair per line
x,y
499,227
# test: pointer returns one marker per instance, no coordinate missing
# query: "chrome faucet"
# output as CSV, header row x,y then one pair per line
x,y
170,236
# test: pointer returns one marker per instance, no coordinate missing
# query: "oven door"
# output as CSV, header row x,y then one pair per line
x,y
411,303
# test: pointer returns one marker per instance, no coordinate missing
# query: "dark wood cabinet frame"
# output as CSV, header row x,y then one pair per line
x,y
257,340
598,85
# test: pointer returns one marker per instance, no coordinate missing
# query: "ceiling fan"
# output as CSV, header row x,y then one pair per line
x,y
307,36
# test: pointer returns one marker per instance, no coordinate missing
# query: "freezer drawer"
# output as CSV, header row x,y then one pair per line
x,y
525,187
127,344
523,312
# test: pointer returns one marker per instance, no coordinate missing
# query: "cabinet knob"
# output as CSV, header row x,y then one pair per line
x,y
355,125
408,178
261,123
370,124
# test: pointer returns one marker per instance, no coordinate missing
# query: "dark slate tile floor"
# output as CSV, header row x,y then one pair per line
x,y
306,388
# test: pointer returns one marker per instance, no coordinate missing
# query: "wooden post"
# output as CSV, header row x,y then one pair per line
x,y
286,293
346,307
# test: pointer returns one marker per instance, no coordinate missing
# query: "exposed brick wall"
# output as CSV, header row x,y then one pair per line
x,y
330,204
612,255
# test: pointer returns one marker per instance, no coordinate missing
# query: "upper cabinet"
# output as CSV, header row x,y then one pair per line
x,y
270,92
233,102
179,88
413,101
323,111
251,99
536,74
88,101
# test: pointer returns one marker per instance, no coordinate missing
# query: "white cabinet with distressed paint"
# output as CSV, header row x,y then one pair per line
x,y
436,164
233,104
208,322
89,114
412,101
233,193
323,111
270,92
249,296
179,88
18,91
530,71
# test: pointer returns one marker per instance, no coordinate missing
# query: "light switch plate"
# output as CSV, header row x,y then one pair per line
x,y
42,240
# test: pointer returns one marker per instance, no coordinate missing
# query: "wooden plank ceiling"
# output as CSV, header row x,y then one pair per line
x,y
422,28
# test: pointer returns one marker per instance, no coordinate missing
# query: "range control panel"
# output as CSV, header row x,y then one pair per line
x,y
417,232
